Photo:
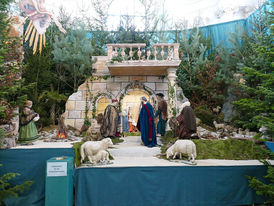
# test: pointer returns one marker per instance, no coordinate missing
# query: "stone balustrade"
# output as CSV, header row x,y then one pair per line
x,y
133,52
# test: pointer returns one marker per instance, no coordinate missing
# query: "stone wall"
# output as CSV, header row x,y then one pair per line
x,y
110,87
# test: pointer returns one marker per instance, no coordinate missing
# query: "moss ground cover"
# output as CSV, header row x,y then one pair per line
x,y
230,149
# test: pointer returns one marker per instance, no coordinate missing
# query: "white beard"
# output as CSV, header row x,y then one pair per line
x,y
184,105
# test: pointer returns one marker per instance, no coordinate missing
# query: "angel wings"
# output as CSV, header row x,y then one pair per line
x,y
40,19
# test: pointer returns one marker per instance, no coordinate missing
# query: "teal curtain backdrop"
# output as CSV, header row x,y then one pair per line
x,y
166,186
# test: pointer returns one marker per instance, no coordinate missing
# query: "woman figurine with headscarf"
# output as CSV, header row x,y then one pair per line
x,y
28,131
162,113
186,121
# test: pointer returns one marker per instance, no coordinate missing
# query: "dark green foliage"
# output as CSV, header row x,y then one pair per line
x,y
53,99
50,92
256,89
74,54
55,82
205,115
230,149
77,158
202,74
12,90
117,58
169,134
116,140
263,188
7,190
2,136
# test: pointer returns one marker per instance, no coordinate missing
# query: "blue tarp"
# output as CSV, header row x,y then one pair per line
x,y
166,186
31,164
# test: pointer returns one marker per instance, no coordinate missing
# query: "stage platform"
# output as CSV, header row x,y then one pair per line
x,y
136,177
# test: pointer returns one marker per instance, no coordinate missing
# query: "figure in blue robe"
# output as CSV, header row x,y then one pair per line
x,y
125,122
146,124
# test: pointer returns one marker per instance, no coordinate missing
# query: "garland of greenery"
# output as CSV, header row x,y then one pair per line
x,y
95,101
132,86
129,86
171,94
94,105
116,59
122,96
94,78
87,105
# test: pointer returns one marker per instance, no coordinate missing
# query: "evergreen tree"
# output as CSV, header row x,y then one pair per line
x,y
52,86
7,190
261,187
201,73
12,91
73,53
256,89
98,27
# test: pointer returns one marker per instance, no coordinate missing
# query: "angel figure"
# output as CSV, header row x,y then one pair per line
x,y
40,19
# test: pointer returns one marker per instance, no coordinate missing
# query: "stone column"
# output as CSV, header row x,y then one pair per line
x,y
172,99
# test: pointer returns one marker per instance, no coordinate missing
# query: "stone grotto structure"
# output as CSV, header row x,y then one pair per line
x,y
128,72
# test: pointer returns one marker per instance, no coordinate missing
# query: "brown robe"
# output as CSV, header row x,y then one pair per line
x,y
110,122
187,123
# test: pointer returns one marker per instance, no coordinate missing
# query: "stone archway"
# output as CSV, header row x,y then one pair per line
x,y
130,97
102,103
131,102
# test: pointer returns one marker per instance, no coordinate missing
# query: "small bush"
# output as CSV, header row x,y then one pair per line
x,y
7,190
262,188
205,115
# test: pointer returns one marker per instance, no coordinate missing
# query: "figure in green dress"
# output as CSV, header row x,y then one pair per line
x,y
162,113
28,131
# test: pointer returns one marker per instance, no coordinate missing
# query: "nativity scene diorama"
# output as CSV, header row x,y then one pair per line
x,y
137,96
136,99
132,91
128,109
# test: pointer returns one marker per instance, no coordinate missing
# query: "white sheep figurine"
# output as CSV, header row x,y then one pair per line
x,y
182,147
100,156
91,148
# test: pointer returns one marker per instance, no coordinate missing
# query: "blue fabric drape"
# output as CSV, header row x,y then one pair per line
x,y
166,186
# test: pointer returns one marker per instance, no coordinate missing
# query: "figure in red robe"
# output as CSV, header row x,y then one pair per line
x,y
146,124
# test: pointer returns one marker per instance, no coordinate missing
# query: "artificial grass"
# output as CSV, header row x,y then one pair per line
x,y
230,149
132,133
77,157
77,147
117,140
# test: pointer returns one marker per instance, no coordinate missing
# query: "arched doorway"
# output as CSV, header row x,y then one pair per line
x,y
102,103
131,103
130,100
